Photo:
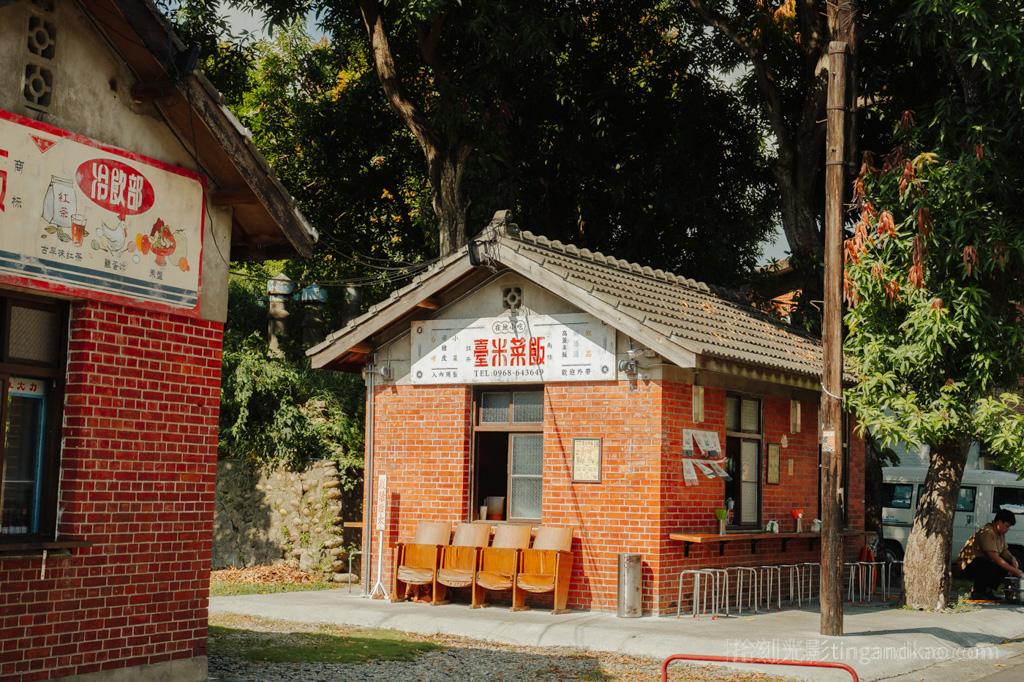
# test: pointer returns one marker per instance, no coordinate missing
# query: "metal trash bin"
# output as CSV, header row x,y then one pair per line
x,y
629,603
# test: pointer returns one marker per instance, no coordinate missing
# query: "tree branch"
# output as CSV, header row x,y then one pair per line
x,y
765,78
383,61
429,36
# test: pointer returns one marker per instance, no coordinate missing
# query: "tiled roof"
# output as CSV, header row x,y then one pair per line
x,y
704,320
679,318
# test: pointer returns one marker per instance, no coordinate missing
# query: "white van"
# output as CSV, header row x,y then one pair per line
x,y
982,493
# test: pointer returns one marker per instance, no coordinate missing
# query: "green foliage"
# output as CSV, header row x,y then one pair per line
x,y
277,410
596,123
935,269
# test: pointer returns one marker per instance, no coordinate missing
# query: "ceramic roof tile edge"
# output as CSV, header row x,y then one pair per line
x,y
394,298
724,293
148,22
738,304
503,235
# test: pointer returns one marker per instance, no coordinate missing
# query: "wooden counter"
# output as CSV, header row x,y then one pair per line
x,y
754,537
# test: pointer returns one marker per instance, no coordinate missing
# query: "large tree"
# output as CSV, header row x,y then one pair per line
x,y
596,123
935,269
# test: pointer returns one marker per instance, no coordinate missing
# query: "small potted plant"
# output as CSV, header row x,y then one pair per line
x,y
720,514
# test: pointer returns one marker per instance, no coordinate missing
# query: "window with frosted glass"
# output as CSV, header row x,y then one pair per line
x,y
527,476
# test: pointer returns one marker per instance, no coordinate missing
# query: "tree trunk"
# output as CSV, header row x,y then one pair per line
x,y
449,195
446,159
926,576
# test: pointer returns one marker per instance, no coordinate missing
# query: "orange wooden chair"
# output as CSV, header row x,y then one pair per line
x,y
545,567
416,562
499,561
461,559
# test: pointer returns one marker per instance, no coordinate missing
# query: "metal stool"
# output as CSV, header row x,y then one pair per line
x,y
721,591
875,570
794,587
767,572
809,568
697,573
752,592
856,576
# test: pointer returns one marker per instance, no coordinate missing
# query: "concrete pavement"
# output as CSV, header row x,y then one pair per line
x,y
879,642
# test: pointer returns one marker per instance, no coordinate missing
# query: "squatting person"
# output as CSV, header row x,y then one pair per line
x,y
985,558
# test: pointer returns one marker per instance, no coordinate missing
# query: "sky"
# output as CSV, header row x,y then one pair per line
x,y
773,250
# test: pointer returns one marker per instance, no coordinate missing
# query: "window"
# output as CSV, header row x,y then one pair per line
x,y
743,460
32,376
897,495
508,453
1013,497
965,500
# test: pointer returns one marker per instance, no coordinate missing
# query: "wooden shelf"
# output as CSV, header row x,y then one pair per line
x,y
754,537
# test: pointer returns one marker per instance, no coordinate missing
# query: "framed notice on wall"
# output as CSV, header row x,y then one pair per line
x,y
772,475
586,460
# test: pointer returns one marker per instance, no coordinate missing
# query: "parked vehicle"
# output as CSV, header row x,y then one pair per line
x,y
982,493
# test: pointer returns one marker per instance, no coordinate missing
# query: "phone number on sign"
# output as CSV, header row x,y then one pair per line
x,y
511,373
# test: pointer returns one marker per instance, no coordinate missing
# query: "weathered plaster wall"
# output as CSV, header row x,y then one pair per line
x,y
90,96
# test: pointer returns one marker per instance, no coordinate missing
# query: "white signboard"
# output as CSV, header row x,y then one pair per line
x,y
513,349
382,502
86,219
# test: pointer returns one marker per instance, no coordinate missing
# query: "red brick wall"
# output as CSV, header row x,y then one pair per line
x,y
138,477
422,438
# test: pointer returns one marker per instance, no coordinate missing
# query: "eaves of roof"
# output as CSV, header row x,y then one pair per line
x,y
681,319
267,222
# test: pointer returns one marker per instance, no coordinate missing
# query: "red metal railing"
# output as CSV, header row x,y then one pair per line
x,y
760,661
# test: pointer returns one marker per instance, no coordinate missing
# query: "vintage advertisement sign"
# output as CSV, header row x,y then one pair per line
x,y
513,349
86,219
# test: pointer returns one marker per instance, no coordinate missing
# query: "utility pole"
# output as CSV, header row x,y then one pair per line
x,y
841,19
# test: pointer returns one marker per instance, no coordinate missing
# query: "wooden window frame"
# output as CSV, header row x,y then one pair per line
x,y
53,373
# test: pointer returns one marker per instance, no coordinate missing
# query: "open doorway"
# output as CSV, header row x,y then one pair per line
x,y
508,454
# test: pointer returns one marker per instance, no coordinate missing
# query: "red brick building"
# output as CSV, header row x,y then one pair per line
x,y
126,188
593,393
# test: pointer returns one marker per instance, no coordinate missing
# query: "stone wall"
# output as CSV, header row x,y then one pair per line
x,y
283,517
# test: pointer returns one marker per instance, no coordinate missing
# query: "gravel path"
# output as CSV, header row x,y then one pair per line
x,y
461,660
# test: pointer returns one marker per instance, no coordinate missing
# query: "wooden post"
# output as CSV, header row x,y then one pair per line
x,y
832,337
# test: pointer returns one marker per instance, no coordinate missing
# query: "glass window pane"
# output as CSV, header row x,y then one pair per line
x,y
732,413
748,502
34,334
528,406
897,495
527,455
494,408
23,439
526,498
965,501
1009,496
750,417
748,461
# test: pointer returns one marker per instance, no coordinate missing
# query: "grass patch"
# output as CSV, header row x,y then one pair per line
x,y
352,646
220,588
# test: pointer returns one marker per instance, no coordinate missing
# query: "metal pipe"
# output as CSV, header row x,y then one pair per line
x,y
368,373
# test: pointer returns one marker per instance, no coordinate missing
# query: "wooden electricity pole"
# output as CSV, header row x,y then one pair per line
x,y
841,23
